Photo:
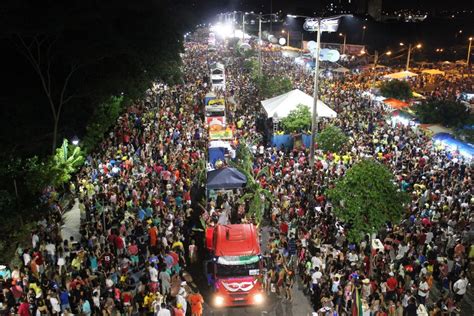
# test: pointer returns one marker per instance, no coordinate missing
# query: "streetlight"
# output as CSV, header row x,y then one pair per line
x,y
287,36
469,51
363,33
319,25
343,45
260,15
75,141
409,54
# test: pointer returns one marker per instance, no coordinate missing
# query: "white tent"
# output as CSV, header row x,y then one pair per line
x,y
433,72
341,70
400,75
280,106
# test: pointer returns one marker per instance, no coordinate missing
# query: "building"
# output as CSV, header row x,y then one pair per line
x,y
374,9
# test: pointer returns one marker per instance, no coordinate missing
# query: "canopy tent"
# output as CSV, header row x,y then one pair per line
x,y
435,129
451,144
400,75
226,178
433,72
341,70
417,95
396,104
280,106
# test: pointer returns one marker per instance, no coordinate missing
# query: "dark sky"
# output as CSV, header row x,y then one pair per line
x,y
290,5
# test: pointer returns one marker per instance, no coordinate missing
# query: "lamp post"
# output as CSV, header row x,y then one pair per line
x,y
319,25
469,51
260,15
344,43
410,48
363,33
287,36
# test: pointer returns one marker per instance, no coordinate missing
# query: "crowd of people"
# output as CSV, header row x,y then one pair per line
x,y
430,248
135,196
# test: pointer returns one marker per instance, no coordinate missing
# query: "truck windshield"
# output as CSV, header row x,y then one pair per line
x,y
224,270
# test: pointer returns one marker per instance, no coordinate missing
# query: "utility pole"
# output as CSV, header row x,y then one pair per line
x,y
314,118
259,45
271,13
408,57
469,51
243,27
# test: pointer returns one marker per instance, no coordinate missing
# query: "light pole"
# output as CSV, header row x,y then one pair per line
x,y
363,33
409,54
344,43
260,15
319,25
287,36
469,51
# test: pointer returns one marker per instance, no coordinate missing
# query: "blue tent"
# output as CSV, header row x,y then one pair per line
x,y
465,149
226,178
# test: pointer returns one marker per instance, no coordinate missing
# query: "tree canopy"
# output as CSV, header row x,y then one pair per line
x,y
332,139
298,120
396,89
72,58
446,112
366,198
273,86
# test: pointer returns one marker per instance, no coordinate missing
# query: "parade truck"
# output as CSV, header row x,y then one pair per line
x,y
217,75
235,267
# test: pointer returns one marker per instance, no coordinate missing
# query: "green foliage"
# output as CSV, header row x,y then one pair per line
x,y
298,120
466,134
445,112
396,89
251,67
331,139
273,86
65,162
104,117
366,198
259,197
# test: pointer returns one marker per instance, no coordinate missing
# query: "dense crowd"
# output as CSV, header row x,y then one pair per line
x,y
430,248
135,197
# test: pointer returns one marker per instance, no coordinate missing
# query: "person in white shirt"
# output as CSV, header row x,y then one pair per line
x,y
153,274
164,311
315,277
423,290
460,287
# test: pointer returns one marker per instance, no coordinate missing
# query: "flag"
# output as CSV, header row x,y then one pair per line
x,y
357,304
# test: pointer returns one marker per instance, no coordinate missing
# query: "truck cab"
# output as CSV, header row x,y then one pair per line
x,y
236,265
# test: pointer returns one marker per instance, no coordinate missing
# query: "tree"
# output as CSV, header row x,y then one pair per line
x,y
298,120
331,139
259,197
366,198
273,86
67,160
445,112
396,89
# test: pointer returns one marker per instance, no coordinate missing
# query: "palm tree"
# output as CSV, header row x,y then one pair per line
x,y
259,197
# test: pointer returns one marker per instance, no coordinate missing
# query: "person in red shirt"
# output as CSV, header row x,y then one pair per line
x,y
392,285
24,309
284,228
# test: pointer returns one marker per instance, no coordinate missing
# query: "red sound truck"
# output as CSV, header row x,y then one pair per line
x,y
236,265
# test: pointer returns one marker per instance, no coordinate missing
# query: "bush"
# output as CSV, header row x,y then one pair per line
x,y
270,87
396,89
298,120
331,139
445,112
